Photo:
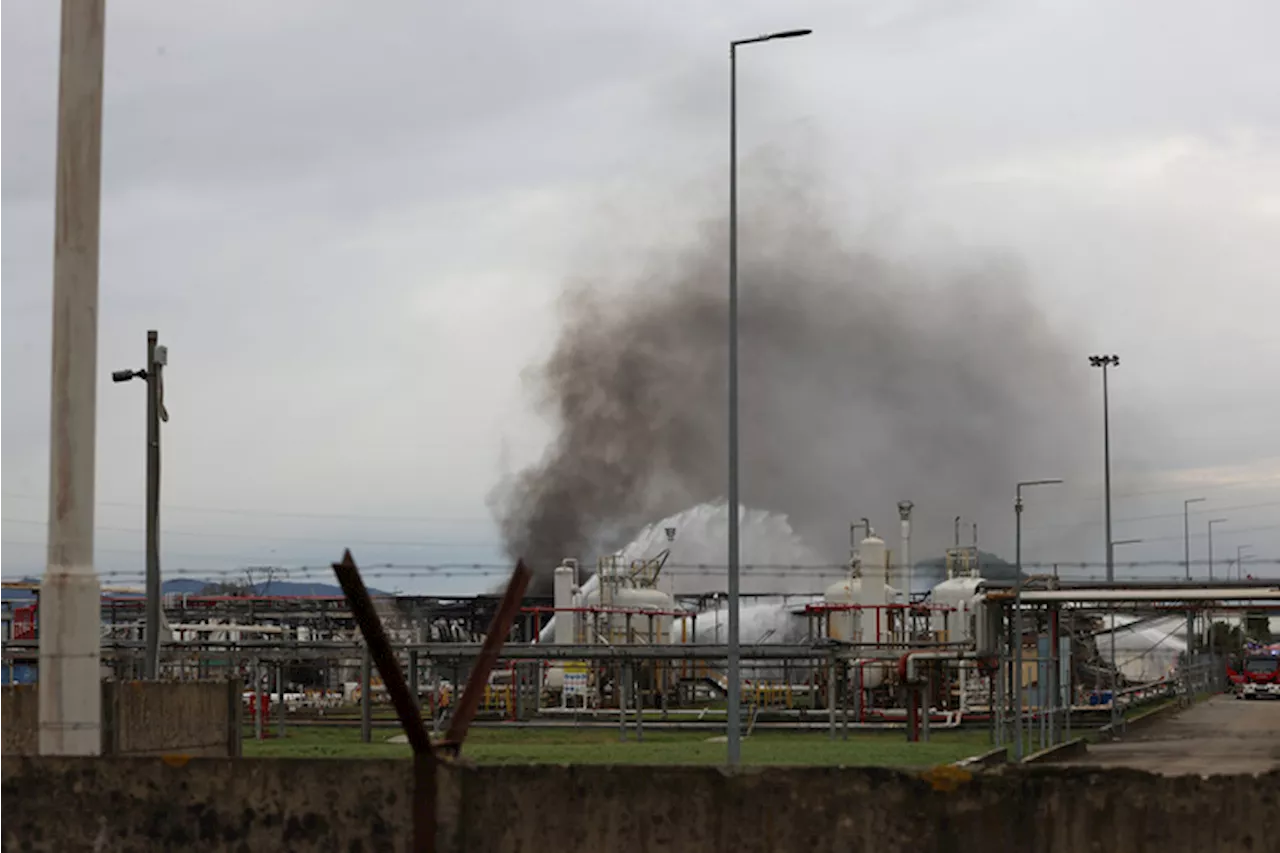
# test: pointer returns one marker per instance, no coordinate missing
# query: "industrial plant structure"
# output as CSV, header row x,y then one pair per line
x,y
868,644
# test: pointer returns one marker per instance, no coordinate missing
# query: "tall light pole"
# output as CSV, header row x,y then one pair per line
x,y
734,733
1115,670
1186,562
1212,522
157,358
1105,361
1186,533
1017,611
70,694
1240,549
1209,612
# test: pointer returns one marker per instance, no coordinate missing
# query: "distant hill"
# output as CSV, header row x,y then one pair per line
x,y
934,570
195,586
192,586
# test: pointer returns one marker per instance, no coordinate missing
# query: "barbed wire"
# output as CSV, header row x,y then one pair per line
x,y
314,573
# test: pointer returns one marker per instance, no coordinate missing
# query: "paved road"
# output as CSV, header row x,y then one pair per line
x,y
1222,735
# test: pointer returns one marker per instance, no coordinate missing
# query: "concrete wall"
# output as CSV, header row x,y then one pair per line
x,y
126,804
19,715
140,718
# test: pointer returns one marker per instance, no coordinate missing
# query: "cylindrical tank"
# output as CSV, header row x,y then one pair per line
x,y
871,556
844,624
869,590
847,625
644,629
962,594
565,620
637,600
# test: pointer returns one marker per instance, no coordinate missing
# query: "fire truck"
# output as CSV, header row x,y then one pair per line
x,y
1258,675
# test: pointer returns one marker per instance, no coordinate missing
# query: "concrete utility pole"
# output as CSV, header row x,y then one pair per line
x,y
157,358
734,666
70,695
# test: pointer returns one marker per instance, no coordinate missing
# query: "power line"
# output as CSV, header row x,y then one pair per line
x,y
241,511
1162,515
467,519
271,537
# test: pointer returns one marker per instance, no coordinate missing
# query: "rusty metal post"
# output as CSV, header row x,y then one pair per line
x,y
378,647
366,696
406,704
383,655
503,619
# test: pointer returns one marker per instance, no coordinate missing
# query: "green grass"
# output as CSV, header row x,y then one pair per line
x,y
602,746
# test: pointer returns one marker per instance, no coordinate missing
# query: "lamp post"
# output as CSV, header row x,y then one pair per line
x,y
1115,670
157,358
1208,621
1212,522
734,733
1186,562
1240,549
1105,361
1186,533
1017,611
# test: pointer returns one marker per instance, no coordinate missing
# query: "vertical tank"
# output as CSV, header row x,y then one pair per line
x,y
865,587
875,589
565,619
844,624
961,594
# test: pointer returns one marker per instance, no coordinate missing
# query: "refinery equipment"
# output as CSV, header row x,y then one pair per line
x,y
865,588
958,598
620,605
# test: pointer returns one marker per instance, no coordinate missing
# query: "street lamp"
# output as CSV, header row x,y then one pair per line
x,y
1017,611
1105,361
1212,522
734,733
1186,563
1240,561
157,358
1115,671
1209,612
1186,533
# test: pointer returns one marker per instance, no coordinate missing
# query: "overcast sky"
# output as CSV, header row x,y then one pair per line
x,y
351,222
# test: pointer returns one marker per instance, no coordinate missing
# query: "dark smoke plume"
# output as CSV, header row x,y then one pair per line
x,y
863,380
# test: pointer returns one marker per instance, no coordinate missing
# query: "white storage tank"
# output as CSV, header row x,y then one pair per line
x,y
867,589
565,620
962,595
614,621
874,571
844,624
